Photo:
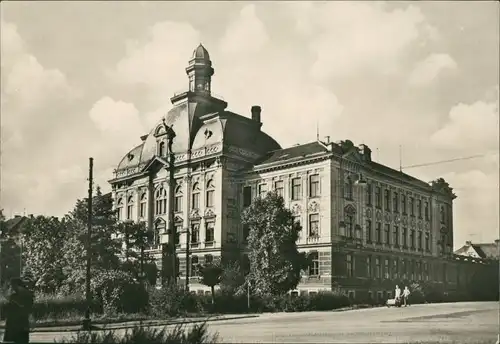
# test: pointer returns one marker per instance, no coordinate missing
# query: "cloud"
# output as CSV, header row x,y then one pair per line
x,y
427,70
158,64
356,37
470,127
34,105
247,34
476,206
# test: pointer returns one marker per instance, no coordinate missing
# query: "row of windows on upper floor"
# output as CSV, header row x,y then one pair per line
x,y
314,190
415,208
161,201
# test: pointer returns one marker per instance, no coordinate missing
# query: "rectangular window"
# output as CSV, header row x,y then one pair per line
x,y
395,202
405,237
262,190
412,206
412,238
388,234
387,199
246,232
419,208
314,266
279,188
378,270
130,209
403,204
349,226
369,231
296,189
142,210
209,259
178,204
426,272
195,201
369,192
378,233
419,241
378,197
369,266
314,225
350,265
426,210
404,270
247,196
210,198
210,232
395,268
178,231
412,269
396,236
195,233
386,268
119,214
193,269
427,242
314,185
419,271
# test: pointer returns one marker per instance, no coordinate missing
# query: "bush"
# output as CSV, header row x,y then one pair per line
x,y
197,334
173,300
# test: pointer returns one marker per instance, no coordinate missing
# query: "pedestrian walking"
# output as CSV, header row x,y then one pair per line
x,y
18,310
397,296
406,294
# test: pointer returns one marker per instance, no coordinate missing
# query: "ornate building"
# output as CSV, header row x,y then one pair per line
x,y
365,225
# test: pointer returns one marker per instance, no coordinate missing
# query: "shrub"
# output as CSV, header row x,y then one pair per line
x,y
197,334
173,300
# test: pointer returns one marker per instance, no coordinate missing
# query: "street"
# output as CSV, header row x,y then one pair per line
x,y
472,322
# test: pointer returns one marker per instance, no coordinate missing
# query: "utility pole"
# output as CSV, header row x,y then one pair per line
x,y
171,199
87,321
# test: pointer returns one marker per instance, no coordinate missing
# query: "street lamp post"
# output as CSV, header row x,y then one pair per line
x,y
171,199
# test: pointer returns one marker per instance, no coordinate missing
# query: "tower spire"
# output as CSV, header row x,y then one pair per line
x,y
200,71
317,130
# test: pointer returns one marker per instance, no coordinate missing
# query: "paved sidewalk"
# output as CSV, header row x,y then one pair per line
x,y
129,324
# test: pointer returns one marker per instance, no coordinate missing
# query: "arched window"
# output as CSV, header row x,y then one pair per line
x,y
161,148
348,188
194,266
195,196
142,205
210,193
313,269
119,209
161,201
178,199
130,207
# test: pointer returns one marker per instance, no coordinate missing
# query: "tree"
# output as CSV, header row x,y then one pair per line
x,y
104,247
135,239
275,262
232,278
211,275
43,241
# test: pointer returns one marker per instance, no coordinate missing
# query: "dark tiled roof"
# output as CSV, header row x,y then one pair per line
x,y
397,174
486,250
301,151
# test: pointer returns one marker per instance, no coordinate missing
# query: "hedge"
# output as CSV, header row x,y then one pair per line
x,y
174,302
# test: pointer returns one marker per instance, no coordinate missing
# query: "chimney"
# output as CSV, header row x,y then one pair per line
x,y
366,152
468,243
327,140
31,216
256,113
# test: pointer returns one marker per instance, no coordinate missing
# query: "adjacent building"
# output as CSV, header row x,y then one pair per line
x,y
365,226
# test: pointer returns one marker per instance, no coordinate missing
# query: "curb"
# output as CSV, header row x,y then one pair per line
x,y
104,327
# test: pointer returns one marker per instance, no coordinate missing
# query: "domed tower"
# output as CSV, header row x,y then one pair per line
x,y
200,71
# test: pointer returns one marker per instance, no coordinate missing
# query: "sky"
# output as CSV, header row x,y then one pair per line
x,y
81,79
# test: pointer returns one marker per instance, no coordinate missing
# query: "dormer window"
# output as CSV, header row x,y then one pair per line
x,y
161,148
